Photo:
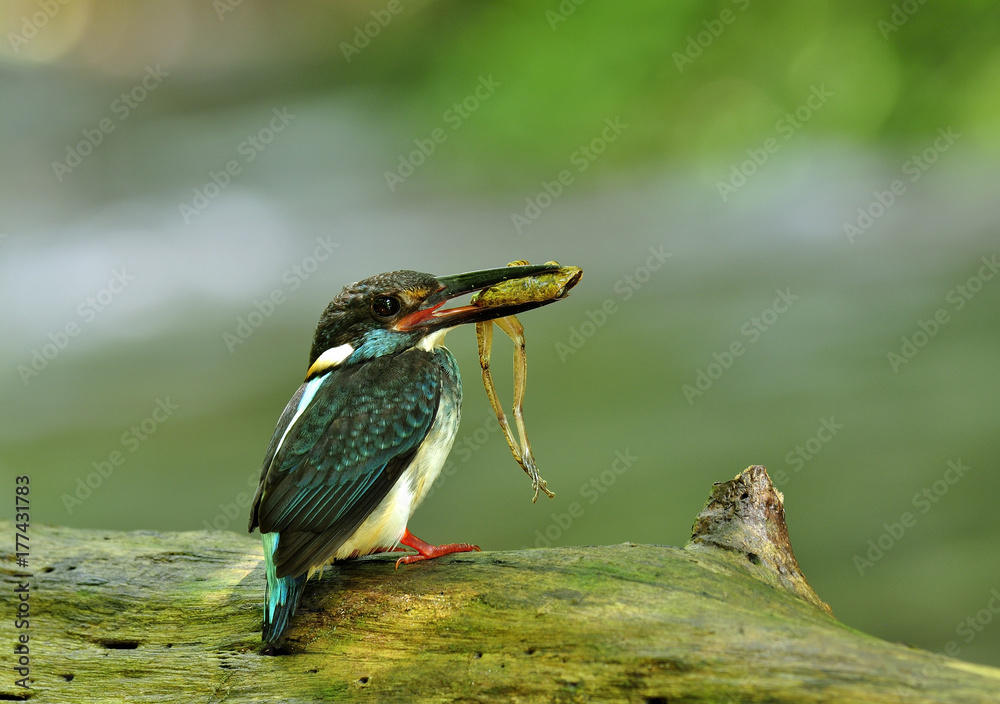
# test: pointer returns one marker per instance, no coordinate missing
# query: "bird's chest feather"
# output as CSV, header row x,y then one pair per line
x,y
433,452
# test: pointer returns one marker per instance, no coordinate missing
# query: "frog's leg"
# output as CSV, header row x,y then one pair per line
x,y
515,331
484,335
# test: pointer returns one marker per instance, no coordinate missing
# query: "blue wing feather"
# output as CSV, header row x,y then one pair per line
x,y
341,456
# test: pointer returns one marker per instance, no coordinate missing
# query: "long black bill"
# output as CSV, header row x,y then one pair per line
x,y
432,317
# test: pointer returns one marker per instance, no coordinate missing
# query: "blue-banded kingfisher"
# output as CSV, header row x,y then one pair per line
x,y
363,438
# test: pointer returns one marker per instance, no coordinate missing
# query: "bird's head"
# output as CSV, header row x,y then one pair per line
x,y
389,313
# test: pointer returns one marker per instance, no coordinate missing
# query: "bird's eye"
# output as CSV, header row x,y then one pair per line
x,y
385,306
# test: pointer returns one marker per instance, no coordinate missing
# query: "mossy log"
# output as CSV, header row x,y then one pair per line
x,y
155,617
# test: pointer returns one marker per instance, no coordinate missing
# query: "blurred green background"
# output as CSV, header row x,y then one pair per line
x,y
167,166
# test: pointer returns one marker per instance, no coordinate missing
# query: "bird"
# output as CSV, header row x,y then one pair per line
x,y
363,438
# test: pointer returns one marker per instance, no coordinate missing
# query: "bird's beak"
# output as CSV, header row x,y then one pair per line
x,y
430,316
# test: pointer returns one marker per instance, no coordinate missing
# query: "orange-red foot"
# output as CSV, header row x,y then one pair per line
x,y
426,551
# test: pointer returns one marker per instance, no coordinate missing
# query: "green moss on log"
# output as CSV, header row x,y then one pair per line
x,y
152,617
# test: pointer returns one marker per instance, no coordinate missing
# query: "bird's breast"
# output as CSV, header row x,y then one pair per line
x,y
386,524
434,450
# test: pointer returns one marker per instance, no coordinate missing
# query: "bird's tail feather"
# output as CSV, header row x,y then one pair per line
x,y
281,594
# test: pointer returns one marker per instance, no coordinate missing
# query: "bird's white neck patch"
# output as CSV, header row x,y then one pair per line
x,y
331,358
435,339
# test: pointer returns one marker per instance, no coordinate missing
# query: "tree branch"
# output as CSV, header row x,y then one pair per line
x,y
154,617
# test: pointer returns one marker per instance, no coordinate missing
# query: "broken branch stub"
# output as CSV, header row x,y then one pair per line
x,y
744,521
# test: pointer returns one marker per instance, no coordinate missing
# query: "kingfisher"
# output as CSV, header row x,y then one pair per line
x,y
366,434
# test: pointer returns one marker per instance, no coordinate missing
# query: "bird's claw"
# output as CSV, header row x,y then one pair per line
x,y
437,551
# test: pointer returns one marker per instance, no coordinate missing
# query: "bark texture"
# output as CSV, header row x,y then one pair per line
x,y
154,617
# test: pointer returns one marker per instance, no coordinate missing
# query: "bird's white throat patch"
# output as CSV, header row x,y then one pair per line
x,y
430,342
